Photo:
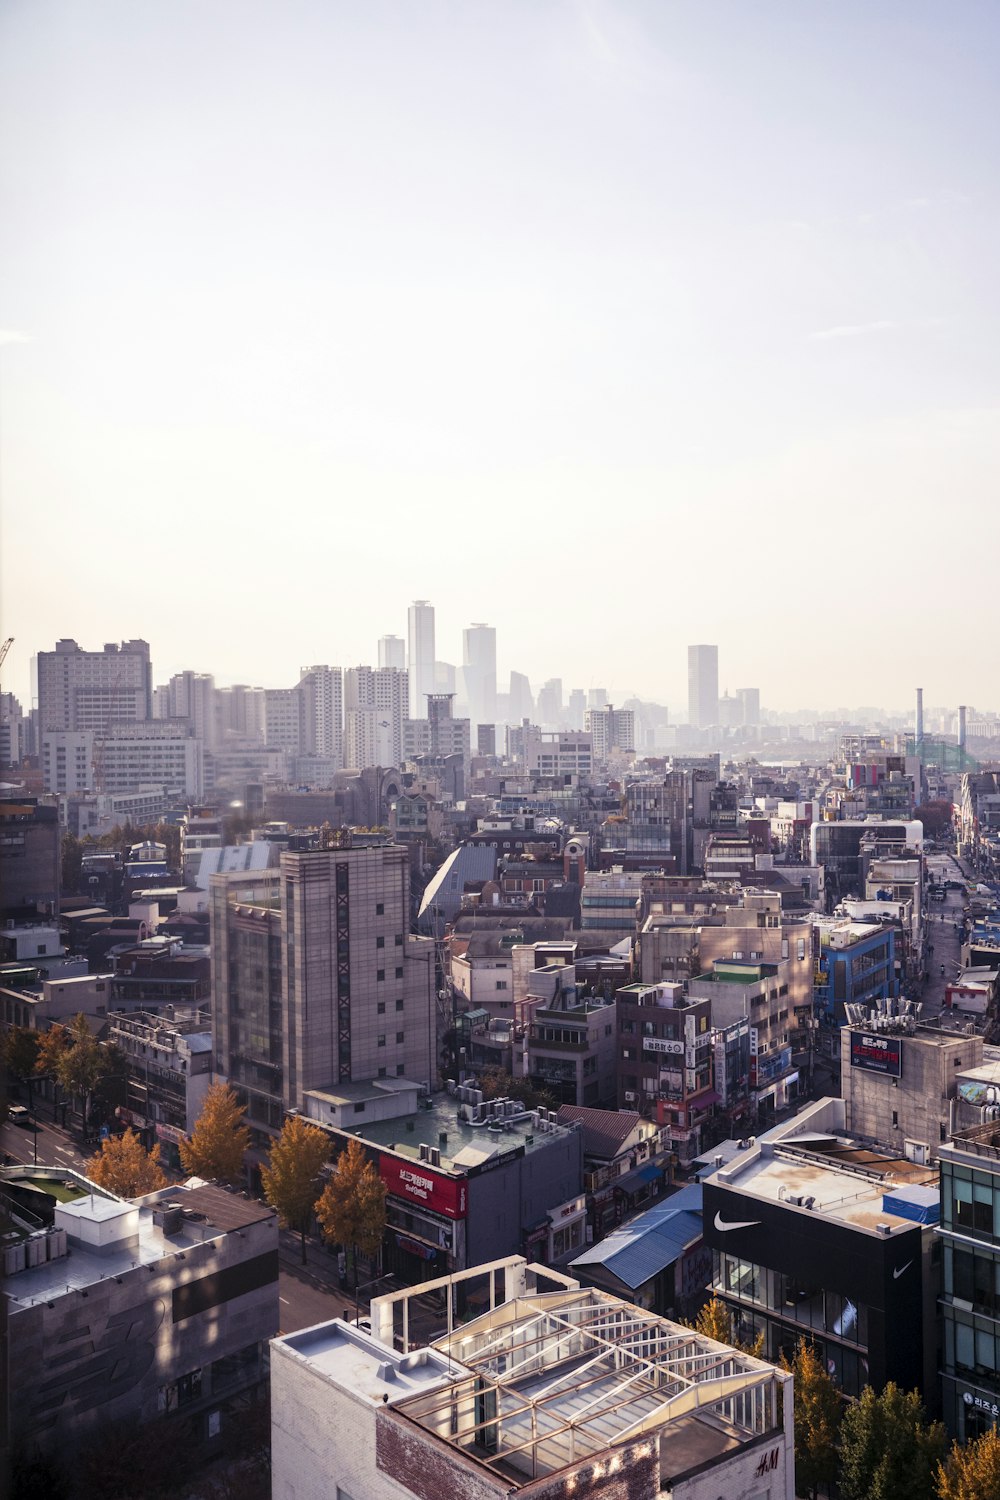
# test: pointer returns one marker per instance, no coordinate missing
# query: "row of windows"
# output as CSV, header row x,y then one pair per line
x,y
970,1202
797,1299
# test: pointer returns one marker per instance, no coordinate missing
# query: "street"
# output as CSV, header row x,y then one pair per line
x,y
942,919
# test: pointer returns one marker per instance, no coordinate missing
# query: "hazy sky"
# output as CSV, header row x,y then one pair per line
x,y
618,326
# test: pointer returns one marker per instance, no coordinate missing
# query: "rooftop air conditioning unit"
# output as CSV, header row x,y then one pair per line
x,y
883,1229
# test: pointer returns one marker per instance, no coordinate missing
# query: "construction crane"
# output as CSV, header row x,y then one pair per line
x,y
5,648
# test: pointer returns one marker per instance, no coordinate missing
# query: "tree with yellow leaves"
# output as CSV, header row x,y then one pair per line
x,y
971,1472
124,1167
818,1412
292,1179
715,1322
351,1207
219,1139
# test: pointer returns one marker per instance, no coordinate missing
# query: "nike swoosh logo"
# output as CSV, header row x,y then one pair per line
x,y
722,1226
897,1274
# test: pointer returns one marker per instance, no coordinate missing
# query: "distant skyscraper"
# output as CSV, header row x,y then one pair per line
x,y
576,708
550,703
392,652
597,698
421,656
750,699
479,666
703,686
521,701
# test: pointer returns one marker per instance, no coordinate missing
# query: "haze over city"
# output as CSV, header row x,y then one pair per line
x,y
617,326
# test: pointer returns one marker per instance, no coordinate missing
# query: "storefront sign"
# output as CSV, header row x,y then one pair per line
x,y
418,1183
661,1044
171,1133
982,1403
877,1054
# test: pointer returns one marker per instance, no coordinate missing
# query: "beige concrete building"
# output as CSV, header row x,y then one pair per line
x,y
899,1084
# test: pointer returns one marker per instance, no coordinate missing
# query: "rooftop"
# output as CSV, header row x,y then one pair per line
x,y
352,1358
574,1373
441,1115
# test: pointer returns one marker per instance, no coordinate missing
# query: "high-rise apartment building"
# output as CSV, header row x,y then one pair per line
x,y
521,701
190,696
392,652
611,729
703,686
317,982
421,658
321,691
81,690
479,671
375,708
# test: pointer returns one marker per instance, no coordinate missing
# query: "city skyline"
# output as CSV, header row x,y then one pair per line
x,y
713,309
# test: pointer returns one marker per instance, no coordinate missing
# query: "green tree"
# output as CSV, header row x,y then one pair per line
x,y
971,1472
123,1166
818,1411
220,1138
292,1178
351,1207
20,1053
888,1451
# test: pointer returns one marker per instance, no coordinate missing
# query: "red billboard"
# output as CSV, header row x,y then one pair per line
x,y
416,1182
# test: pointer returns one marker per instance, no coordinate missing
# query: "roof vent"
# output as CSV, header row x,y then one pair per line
x,y
883,1229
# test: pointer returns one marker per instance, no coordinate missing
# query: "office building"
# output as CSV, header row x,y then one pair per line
x,y
750,703
421,657
550,703
546,1393
354,1002
703,686
162,1307
80,689
438,733
970,1303
30,858
520,700
12,731
392,653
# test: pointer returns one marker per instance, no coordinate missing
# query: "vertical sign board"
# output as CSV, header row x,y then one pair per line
x,y
876,1053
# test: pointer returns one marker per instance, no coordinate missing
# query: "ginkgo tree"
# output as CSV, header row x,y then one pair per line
x,y
126,1168
293,1176
351,1207
220,1138
971,1472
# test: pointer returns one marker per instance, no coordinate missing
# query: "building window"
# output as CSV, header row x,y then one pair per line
x,y
400,1004
380,908
380,942
381,1041
379,973
380,1008
501,984
400,1069
399,940
400,1036
381,1072
399,973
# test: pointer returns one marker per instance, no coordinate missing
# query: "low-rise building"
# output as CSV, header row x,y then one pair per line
x,y
818,1235
665,1061
169,1071
548,1392
125,1311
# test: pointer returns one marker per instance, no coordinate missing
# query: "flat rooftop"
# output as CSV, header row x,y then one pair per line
x,y
845,1181
426,1127
210,1213
576,1372
353,1359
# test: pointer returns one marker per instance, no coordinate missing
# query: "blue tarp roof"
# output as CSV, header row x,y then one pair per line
x,y
921,1204
651,1241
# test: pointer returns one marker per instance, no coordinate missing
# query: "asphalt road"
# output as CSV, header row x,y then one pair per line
x,y
55,1147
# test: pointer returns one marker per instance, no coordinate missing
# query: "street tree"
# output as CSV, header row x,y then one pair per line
x,y
292,1178
20,1053
351,1207
51,1046
123,1166
220,1137
83,1064
714,1321
818,1411
888,1450
971,1472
